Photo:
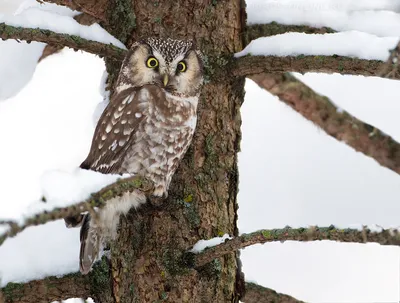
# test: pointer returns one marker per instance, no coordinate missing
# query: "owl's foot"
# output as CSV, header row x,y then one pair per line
x,y
158,196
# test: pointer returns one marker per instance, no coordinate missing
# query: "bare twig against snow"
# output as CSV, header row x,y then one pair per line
x,y
98,199
258,294
365,235
255,31
335,122
56,39
250,65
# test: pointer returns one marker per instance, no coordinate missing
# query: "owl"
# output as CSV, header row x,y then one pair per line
x,y
145,130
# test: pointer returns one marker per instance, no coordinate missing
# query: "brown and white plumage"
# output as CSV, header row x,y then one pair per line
x,y
145,129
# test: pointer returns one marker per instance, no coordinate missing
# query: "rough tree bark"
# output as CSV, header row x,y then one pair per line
x,y
145,262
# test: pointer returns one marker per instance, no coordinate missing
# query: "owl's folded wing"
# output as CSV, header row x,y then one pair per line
x,y
115,129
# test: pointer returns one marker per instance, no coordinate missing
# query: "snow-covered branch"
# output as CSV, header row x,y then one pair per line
x,y
98,199
53,38
255,31
258,294
334,121
364,235
96,8
251,65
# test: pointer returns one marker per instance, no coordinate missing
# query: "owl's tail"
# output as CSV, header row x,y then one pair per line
x,y
103,226
90,244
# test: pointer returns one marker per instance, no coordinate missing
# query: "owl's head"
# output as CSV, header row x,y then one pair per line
x,y
175,65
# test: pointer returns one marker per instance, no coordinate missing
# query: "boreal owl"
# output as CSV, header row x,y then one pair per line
x,y
145,129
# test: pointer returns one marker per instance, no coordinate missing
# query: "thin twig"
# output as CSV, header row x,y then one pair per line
x,y
384,237
98,199
251,65
254,31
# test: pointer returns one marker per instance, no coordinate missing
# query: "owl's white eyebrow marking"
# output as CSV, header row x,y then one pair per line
x,y
108,128
138,115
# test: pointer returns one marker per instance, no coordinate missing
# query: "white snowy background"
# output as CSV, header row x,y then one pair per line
x,y
291,173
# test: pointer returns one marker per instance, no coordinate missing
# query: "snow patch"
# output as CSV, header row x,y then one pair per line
x,y
350,44
37,18
203,244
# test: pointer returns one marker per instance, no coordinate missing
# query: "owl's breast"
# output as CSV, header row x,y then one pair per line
x,y
159,144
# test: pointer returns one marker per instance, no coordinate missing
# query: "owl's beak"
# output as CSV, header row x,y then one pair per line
x,y
165,80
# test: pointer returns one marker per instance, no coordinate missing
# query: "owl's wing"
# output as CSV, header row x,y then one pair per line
x,y
115,129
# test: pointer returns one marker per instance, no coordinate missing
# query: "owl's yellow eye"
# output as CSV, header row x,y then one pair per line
x,y
152,62
181,67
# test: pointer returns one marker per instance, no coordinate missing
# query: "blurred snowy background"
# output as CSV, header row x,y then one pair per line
x,y
291,173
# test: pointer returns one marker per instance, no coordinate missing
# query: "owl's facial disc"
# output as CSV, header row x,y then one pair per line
x,y
182,75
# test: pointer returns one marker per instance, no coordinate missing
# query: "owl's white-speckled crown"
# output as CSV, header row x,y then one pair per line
x,y
169,48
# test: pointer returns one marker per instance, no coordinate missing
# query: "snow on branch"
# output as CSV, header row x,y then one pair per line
x,y
334,121
98,199
362,235
93,8
57,39
258,294
354,53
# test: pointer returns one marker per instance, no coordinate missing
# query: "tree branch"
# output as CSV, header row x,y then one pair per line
x,y
94,8
384,237
97,285
219,67
56,39
255,31
98,199
335,122
258,294
47,290
390,69
251,65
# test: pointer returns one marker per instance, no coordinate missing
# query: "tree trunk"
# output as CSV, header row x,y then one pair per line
x,y
146,259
